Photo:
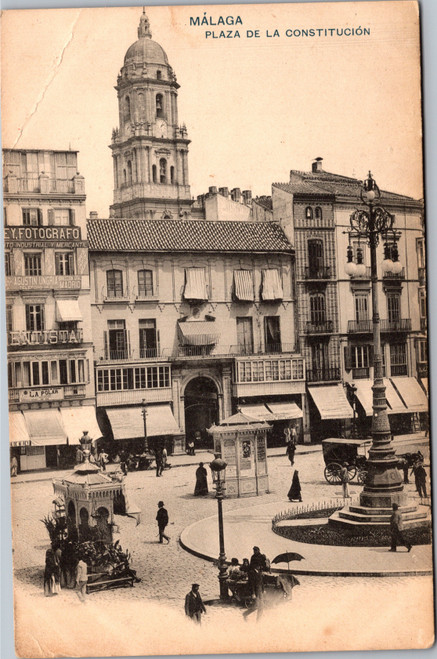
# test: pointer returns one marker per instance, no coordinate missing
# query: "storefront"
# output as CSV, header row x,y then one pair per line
x,y
330,411
280,415
128,426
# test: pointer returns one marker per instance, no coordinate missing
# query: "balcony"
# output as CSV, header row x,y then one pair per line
x,y
270,349
366,326
422,369
327,327
422,276
398,369
323,272
361,373
323,375
43,184
394,275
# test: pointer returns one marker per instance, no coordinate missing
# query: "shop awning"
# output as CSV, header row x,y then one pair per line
x,y
365,396
331,402
127,422
78,419
285,411
195,284
18,433
199,332
243,285
160,421
412,394
258,412
45,427
68,311
424,382
271,285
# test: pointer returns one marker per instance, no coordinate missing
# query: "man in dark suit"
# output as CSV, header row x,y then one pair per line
x,y
194,606
162,519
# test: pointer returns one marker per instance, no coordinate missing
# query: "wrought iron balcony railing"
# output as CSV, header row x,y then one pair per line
x,y
323,375
323,272
325,327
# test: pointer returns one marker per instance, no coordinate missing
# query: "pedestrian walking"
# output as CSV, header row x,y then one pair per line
x,y
14,465
164,458
194,607
295,492
397,537
403,464
290,451
293,435
344,476
81,579
420,478
201,488
159,462
162,519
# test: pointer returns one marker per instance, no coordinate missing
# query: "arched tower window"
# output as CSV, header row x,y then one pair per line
x,y
154,173
159,105
127,110
124,177
171,174
158,75
309,213
318,213
163,170
129,172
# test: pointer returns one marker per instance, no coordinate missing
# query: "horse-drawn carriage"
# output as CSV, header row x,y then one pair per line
x,y
338,452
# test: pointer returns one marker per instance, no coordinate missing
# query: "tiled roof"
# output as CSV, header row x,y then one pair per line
x,y
114,235
326,183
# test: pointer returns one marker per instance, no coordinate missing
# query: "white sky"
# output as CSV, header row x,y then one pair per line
x,y
254,108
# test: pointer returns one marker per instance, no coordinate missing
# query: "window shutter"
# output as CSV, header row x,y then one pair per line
x,y
128,342
72,213
51,215
347,358
105,339
371,355
39,213
70,264
42,318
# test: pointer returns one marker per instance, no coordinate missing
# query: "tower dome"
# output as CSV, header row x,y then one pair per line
x,y
145,50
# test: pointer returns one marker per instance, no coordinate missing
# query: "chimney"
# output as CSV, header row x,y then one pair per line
x,y
212,190
236,194
317,165
224,192
94,215
247,196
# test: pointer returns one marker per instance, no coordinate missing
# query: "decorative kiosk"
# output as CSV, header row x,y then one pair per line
x,y
241,441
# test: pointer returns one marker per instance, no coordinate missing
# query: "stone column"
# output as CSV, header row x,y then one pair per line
x,y
305,420
227,392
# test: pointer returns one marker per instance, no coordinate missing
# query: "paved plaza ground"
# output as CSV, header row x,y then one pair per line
x,y
325,612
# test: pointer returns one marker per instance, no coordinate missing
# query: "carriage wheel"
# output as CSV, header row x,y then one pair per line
x,y
352,472
362,475
332,473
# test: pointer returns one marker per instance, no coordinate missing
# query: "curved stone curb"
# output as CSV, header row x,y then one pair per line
x,y
272,544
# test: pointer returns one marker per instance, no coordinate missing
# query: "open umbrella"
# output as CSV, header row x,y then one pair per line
x,y
287,557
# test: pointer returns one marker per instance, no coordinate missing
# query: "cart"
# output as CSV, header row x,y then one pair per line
x,y
336,452
280,585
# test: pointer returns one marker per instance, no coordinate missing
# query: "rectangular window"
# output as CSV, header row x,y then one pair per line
x,y
398,359
140,378
61,216
32,265
9,318
420,243
63,372
394,308
32,217
422,303
117,339
54,369
114,283
45,373
148,338
64,264
272,334
73,371
34,317
245,336
35,373
8,268
145,283
26,374
361,308
317,309
423,351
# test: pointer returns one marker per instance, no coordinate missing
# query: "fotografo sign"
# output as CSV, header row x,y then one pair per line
x,y
38,237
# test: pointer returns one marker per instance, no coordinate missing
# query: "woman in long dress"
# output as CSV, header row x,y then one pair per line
x,y
52,574
295,492
201,488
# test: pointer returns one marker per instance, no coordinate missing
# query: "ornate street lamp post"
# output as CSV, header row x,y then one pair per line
x,y
218,467
144,415
353,390
383,485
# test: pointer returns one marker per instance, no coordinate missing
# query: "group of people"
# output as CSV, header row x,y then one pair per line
x,y
62,568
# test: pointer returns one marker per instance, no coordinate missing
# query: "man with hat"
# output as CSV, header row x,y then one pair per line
x,y
162,519
194,607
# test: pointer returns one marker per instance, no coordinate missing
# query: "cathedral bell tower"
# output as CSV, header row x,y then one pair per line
x,y
149,149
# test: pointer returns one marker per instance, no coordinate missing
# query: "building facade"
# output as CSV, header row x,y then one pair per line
x,y
50,354
334,310
192,301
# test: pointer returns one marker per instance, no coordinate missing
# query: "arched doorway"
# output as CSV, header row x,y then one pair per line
x,y
201,409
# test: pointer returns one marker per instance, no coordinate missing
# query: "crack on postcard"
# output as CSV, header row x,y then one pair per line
x,y
52,76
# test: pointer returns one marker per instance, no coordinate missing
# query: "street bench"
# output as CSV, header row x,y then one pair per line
x,y
107,584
